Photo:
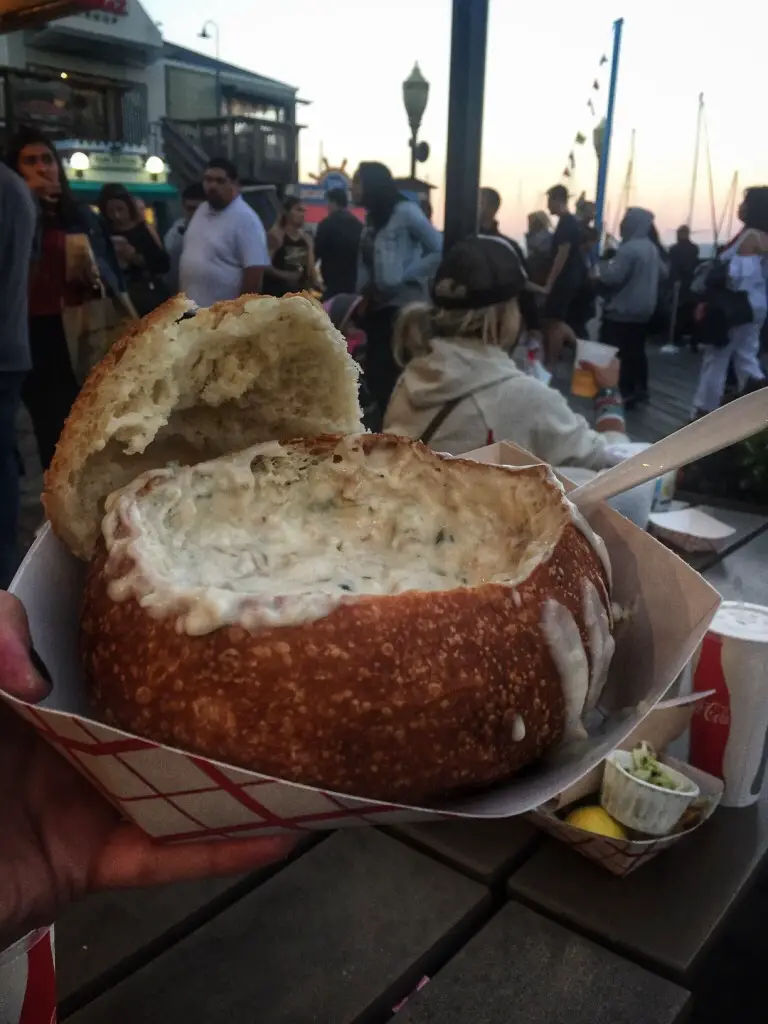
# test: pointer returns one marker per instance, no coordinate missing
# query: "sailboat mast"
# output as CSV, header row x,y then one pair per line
x,y
734,193
699,119
626,189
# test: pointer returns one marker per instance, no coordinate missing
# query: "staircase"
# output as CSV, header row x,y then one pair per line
x,y
186,161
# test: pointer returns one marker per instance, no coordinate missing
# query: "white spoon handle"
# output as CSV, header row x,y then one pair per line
x,y
724,426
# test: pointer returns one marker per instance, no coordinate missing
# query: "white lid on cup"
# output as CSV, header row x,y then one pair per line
x,y
740,620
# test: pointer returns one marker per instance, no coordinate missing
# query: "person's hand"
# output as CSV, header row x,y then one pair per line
x,y
605,376
59,838
126,254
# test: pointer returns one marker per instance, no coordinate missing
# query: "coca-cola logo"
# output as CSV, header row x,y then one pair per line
x,y
714,712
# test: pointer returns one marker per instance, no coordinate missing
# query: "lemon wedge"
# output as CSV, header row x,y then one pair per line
x,y
597,820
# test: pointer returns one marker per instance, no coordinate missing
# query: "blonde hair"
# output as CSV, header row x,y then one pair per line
x,y
539,221
419,323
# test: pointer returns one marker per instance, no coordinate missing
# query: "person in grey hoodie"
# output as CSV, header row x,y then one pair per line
x,y
460,390
631,284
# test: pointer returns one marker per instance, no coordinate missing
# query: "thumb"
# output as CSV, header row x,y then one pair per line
x,y
17,672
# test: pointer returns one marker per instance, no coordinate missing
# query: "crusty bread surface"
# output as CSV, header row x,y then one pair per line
x,y
358,614
254,369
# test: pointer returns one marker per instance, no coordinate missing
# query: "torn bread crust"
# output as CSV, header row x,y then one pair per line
x,y
173,389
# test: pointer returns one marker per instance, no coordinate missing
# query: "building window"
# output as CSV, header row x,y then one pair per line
x,y
64,109
190,95
134,116
275,148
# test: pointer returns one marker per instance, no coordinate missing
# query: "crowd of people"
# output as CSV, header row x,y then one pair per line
x,y
433,331
440,336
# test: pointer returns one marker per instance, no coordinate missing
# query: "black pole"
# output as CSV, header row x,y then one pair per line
x,y
413,154
465,118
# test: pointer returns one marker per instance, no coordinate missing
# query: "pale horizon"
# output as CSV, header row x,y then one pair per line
x,y
540,69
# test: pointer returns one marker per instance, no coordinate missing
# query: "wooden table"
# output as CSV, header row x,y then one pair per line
x,y
508,925
344,933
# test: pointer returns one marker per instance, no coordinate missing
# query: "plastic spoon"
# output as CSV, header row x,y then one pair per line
x,y
727,425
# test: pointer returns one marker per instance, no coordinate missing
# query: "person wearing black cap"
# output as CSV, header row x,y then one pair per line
x,y
460,390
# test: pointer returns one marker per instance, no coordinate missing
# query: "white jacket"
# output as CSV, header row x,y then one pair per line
x,y
498,402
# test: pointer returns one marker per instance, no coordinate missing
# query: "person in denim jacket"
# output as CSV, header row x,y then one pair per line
x,y
399,254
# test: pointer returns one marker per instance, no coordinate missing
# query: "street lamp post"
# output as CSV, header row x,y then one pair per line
x,y
415,96
205,33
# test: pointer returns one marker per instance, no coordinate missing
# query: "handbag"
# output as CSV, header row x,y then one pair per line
x,y
722,307
92,328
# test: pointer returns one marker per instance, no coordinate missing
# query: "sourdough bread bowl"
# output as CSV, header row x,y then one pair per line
x,y
352,612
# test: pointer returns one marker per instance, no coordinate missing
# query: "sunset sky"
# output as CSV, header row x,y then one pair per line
x,y
349,57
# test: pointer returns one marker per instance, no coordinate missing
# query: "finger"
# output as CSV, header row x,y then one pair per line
x,y
131,858
17,673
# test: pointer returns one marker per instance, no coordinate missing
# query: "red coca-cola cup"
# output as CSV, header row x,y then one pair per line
x,y
28,980
729,729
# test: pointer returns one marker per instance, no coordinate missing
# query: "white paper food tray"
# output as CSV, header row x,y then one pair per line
x,y
176,796
623,856
691,530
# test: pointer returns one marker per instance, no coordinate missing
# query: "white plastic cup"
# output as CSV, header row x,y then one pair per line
x,y
729,729
28,980
664,486
583,382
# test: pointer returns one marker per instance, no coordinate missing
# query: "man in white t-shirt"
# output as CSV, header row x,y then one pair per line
x,y
225,246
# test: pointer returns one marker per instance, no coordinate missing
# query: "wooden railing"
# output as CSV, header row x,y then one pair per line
x,y
262,151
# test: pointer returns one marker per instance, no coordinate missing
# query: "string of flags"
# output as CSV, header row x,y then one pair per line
x,y
581,137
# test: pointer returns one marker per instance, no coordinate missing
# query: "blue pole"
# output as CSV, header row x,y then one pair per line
x,y
602,171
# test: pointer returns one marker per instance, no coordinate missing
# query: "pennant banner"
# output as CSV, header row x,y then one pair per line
x,y
582,135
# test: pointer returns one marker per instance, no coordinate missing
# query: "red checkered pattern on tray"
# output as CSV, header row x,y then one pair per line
x,y
175,796
615,855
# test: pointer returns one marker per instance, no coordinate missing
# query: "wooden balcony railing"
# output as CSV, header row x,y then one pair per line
x,y
262,151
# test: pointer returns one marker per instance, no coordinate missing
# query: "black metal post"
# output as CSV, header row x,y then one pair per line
x,y
413,154
465,118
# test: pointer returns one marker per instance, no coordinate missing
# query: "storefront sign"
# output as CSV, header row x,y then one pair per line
x,y
124,162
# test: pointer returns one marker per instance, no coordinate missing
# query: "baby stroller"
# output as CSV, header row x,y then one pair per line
x,y
342,311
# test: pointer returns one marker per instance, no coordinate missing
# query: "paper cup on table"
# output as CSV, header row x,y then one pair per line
x,y
729,730
664,486
583,382
28,980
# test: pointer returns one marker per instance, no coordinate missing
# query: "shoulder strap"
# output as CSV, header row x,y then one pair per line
x,y
438,419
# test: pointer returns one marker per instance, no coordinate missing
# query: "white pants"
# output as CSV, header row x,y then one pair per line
x,y
744,349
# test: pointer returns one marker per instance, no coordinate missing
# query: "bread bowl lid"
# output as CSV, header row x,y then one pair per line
x,y
187,384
